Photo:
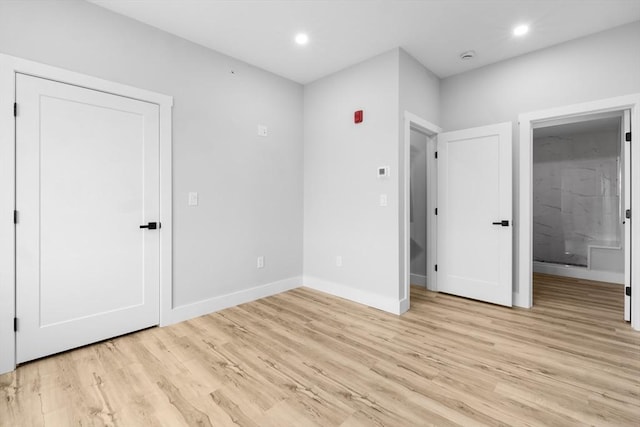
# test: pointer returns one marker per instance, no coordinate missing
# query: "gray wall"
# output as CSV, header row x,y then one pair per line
x,y
419,93
250,188
576,196
418,206
342,216
600,66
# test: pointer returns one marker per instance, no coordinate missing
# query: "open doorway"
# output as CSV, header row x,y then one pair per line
x,y
418,201
626,109
579,182
418,188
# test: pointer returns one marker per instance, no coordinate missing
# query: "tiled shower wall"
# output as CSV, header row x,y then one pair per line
x,y
575,196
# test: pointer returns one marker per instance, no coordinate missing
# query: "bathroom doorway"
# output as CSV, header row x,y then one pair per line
x,y
579,182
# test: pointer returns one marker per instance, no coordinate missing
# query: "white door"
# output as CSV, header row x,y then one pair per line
x,y
626,193
474,213
87,178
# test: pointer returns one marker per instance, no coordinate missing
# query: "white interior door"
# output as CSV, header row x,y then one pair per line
x,y
474,213
87,178
626,194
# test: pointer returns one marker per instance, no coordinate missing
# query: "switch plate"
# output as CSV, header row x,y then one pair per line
x,y
193,198
262,130
339,261
383,171
260,262
383,200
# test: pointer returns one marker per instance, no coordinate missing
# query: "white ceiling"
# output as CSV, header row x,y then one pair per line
x,y
345,32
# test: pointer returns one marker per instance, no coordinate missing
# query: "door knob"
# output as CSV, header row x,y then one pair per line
x,y
504,223
151,226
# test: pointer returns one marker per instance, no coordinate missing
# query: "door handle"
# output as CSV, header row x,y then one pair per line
x,y
504,223
151,226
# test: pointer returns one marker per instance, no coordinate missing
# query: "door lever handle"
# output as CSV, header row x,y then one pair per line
x,y
151,226
504,223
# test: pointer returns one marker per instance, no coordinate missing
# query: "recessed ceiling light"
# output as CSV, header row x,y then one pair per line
x,y
302,38
520,30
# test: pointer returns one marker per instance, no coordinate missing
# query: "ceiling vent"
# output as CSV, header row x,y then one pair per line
x,y
470,54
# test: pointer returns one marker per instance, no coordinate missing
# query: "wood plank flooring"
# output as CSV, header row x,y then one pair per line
x,y
303,358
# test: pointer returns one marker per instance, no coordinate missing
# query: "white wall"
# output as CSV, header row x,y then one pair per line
x,y
599,66
342,216
419,92
250,188
418,205
419,89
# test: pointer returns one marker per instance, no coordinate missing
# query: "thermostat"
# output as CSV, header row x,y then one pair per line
x,y
383,171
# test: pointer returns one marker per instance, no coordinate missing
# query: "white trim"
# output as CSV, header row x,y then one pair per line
x,y
578,272
390,305
211,305
412,121
533,119
9,66
418,279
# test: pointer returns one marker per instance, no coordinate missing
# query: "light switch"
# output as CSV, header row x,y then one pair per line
x,y
262,130
193,198
260,262
339,261
383,200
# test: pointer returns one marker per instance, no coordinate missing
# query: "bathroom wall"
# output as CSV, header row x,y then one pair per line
x,y
575,195
418,208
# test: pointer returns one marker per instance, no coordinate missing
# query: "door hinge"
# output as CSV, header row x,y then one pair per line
x,y
627,291
627,214
436,211
15,109
15,217
435,267
15,324
436,154
627,136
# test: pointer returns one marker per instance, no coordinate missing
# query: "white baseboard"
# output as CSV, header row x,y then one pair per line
x,y
578,272
418,279
211,305
390,305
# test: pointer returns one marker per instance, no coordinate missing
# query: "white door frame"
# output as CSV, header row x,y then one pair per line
x,y
528,122
9,66
412,121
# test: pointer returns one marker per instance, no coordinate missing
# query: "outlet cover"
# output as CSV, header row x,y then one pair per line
x,y
262,130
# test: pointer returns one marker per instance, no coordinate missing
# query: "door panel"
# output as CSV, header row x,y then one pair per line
x,y
87,178
474,191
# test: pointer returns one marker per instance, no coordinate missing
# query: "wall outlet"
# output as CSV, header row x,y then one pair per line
x,y
262,130
383,200
193,198
339,261
260,262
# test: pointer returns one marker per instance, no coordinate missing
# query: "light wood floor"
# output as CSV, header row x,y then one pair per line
x,y
303,358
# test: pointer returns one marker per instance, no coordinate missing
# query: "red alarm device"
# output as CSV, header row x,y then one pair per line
x,y
357,116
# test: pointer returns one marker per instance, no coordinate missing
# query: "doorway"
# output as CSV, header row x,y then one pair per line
x,y
579,181
418,202
419,199
589,246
